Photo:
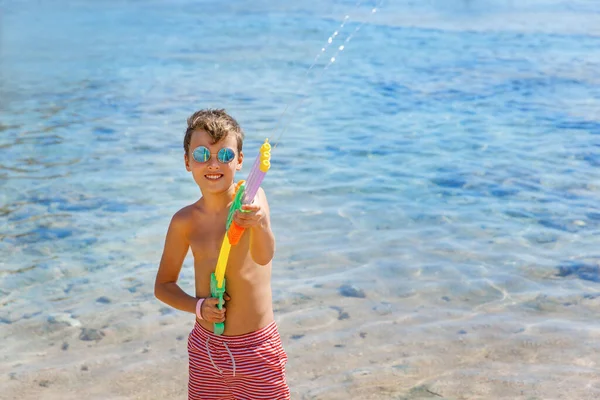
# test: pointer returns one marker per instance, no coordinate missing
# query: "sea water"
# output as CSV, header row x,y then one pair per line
x,y
447,159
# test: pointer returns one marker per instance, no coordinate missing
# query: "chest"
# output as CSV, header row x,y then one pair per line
x,y
206,241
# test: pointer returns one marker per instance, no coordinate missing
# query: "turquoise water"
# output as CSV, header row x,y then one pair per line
x,y
450,150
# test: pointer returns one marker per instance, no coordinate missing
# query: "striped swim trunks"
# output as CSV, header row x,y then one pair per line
x,y
250,366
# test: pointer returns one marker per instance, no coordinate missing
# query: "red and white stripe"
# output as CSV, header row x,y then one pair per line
x,y
245,367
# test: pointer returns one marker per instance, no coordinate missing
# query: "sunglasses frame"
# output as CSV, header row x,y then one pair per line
x,y
205,159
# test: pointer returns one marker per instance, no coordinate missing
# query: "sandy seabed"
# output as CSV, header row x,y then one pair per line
x,y
339,347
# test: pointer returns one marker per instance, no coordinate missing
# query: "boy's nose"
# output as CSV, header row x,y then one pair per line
x,y
213,163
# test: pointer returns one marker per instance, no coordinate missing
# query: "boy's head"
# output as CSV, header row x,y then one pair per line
x,y
213,150
217,123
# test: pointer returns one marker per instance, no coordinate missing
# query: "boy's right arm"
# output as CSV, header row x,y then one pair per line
x,y
166,288
177,245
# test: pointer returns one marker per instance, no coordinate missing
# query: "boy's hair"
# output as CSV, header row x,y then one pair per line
x,y
217,123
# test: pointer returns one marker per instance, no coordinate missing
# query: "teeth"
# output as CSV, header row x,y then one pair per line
x,y
213,176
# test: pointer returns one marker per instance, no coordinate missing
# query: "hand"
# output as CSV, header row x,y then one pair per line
x,y
253,216
210,312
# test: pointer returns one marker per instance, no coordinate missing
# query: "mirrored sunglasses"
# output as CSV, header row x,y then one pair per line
x,y
202,154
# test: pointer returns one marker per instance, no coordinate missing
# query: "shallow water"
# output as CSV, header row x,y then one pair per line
x,y
446,165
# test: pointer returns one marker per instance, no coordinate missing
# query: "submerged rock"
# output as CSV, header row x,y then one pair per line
x,y
89,334
341,313
581,270
103,300
351,291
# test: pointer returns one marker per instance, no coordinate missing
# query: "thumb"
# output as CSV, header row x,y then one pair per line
x,y
211,301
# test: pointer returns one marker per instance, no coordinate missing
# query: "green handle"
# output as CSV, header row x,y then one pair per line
x,y
219,327
236,205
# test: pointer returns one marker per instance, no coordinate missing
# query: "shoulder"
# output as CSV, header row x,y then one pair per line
x,y
261,193
261,196
184,214
182,219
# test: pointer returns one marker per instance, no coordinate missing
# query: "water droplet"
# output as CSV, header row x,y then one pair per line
x,y
346,17
332,59
341,47
329,40
335,33
374,10
323,49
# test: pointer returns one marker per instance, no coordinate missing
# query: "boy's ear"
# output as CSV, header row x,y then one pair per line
x,y
186,159
240,161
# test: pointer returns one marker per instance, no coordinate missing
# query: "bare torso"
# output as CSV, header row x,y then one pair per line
x,y
247,283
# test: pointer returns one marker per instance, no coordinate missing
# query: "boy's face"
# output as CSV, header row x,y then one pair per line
x,y
213,176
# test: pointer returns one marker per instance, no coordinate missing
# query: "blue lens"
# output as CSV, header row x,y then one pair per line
x,y
226,155
201,154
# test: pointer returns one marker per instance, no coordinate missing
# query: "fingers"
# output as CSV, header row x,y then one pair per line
x,y
251,214
250,207
226,297
247,219
210,311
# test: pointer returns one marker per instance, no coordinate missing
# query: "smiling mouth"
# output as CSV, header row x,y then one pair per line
x,y
213,177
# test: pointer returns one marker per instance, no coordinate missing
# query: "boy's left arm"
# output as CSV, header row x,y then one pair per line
x,y
257,220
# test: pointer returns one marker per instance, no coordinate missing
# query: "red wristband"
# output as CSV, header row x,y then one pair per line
x,y
199,308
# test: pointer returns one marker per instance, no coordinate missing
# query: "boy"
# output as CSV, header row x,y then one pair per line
x,y
248,360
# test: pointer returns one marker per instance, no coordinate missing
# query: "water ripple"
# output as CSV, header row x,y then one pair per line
x,y
447,161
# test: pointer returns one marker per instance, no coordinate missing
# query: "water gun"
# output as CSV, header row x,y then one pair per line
x,y
244,194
